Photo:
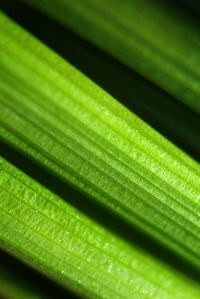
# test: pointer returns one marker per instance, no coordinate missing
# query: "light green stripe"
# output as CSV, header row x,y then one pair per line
x,y
53,113
44,230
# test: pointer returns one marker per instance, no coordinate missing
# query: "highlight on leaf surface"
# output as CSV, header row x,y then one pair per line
x,y
157,38
60,120
58,117
57,239
154,105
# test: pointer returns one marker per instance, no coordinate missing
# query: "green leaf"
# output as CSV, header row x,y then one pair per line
x,y
156,38
58,117
44,230
159,109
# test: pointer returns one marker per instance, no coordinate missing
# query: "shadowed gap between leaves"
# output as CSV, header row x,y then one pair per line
x,y
163,112
97,212
191,5
26,276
